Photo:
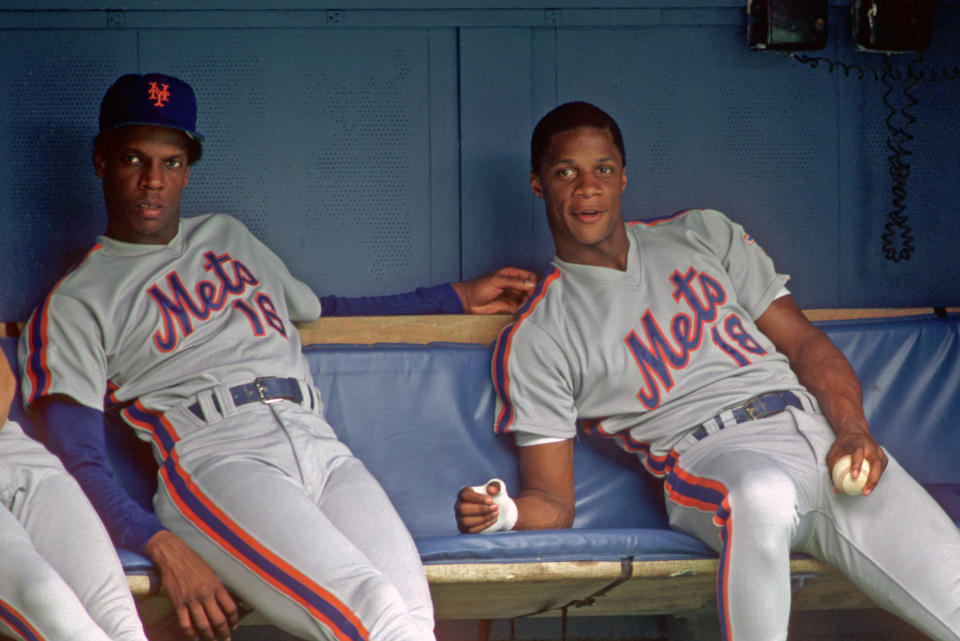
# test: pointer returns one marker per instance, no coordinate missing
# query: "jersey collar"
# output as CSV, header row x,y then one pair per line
x,y
630,277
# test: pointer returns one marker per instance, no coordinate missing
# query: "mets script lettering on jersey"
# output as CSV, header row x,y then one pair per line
x,y
179,308
657,355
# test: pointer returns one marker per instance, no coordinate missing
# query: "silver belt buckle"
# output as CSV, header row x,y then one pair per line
x,y
262,392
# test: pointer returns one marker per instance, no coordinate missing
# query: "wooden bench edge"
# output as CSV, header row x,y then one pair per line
x,y
596,588
483,330
464,328
438,573
145,584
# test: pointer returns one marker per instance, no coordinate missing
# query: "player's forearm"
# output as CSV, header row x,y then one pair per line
x,y
818,364
823,369
441,299
76,435
546,498
130,526
542,511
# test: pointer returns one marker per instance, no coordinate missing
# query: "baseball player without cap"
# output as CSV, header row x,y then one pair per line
x,y
151,99
649,355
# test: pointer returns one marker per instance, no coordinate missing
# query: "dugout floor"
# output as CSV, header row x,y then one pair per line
x,y
847,625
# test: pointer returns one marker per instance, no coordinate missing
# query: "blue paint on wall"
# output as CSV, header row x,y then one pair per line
x,y
378,149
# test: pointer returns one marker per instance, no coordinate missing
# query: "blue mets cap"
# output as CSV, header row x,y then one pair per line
x,y
150,99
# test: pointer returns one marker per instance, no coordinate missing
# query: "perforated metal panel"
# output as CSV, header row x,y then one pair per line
x,y
338,145
232,116
51,204
365,180
796,154
750,134
928,276
319,141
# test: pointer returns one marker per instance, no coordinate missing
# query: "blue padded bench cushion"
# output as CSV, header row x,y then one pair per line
x,y
587,544
948,496
428,432
420,417
909,370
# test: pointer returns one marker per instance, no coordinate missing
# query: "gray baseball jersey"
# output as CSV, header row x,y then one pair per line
x,y
159,323
61,577
166,332
652,357
647,352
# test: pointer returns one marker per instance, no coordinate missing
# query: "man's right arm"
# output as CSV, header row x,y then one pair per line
x,y
534,400
75,433
500,292
546,496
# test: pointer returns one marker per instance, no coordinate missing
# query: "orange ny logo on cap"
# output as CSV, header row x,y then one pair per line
x,y
159,94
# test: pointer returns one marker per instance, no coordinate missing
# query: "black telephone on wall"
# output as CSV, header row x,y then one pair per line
x,y
891,25
883,26
877,25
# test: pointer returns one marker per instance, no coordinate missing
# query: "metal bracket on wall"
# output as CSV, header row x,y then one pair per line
x,y
116,19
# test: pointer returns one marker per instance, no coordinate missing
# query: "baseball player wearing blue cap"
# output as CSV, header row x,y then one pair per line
x,y
677,339
183,327
60,578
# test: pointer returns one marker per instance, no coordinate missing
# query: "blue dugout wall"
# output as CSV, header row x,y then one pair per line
x,y
378,146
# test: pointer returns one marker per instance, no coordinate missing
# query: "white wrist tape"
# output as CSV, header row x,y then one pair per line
x,y
506,507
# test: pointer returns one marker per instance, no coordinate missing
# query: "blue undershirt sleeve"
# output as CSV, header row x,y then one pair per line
x,y
440,299
75,433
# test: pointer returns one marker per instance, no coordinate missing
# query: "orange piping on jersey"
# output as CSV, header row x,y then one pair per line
x,y
37,371
652,222
501,353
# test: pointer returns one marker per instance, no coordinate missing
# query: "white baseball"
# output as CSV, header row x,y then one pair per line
x,y
844,481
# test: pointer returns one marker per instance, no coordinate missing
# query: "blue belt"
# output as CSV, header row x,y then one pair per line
x,y
757,407
266,389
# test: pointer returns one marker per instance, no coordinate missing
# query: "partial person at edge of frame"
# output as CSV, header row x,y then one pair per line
x,y
61,576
